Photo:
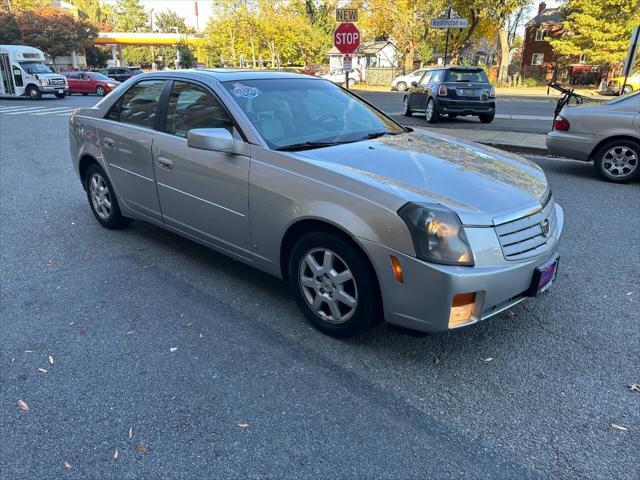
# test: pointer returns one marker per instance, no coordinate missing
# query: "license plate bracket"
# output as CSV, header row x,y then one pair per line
x,y
544,276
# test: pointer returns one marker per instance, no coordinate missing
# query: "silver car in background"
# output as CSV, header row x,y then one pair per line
x,y
297,177
607,134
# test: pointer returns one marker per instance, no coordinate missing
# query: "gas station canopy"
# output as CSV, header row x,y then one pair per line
x,y
156,39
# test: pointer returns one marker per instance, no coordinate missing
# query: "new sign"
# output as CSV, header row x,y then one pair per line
x,y
449,23
346,38
346,15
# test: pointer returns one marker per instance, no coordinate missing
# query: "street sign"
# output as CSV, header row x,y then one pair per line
x,y
346,38
346,15
632,52
347,62
449,23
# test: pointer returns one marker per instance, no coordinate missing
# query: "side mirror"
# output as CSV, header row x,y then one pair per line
x,y
215,139
414,84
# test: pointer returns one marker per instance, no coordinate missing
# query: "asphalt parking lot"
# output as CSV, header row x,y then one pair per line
x,y
191,365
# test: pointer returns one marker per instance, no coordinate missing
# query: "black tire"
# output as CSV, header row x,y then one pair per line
x,y
431,114
486,117
618,156
100,91
627,90
114,220
401,86
33,93
60,95
406,110
364,287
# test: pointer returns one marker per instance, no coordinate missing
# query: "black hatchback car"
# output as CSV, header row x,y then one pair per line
x,y
452,91
121,74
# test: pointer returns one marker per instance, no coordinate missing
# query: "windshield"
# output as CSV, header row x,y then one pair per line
x,y
307,112
466,76
100,77
623,98
34,67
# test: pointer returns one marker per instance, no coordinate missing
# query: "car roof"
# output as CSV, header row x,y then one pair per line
x,y
225,75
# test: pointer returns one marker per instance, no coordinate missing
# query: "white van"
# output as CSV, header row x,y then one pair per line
x,y
24,73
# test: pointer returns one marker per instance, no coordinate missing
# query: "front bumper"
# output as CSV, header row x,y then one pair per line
x,y
465,107
423,301
55,89
571,145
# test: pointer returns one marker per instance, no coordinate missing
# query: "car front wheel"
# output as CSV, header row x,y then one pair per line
x,y
487,117
617,161
100,91
102,199
334,284
34,93
60,95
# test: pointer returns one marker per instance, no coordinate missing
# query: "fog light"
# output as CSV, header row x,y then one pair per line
x,y
397,269
462,308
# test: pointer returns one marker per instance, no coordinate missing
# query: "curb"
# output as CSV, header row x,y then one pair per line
x,y
542,98
522,149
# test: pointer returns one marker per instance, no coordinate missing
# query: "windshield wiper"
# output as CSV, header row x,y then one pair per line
x,y
372,135
307,146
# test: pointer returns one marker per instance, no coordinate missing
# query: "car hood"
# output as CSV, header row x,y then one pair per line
x,y
481,184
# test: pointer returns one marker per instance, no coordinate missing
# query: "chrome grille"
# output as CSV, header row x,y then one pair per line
x,y
524,238
56,81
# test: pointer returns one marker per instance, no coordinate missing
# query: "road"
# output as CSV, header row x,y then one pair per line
x,y
217,374
531,116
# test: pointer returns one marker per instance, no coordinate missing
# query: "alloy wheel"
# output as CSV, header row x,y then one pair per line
x,y
100,196
328,285
100,91
429,113
620,161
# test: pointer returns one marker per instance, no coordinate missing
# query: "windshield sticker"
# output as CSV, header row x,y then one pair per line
x,y
244,91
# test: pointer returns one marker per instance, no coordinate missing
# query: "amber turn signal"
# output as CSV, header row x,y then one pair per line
x,y
462,308
397,269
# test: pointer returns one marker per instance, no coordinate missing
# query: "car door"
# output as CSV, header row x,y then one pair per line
x,y
73,80
204,193
418,94
125,137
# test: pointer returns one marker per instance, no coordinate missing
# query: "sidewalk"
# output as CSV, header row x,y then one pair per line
x,y
518,142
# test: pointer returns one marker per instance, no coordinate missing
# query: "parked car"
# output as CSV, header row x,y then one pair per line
x,y
403,82
452,91
607,134
337,76
632,84
90,82
121,74
313,69
364,218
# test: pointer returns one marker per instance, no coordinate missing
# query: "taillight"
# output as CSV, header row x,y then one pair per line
x,y
561,123
442,91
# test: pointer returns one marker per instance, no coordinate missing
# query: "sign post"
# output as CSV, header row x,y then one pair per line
x,y
631,57
448,23
346,39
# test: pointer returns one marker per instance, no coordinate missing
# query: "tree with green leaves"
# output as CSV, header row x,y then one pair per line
x,y
600,30
9,33
170,22
131,16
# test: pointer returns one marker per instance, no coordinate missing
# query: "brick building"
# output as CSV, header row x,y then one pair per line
x,y
538,57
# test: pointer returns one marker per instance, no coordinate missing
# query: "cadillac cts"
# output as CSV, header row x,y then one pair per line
x,y
364,218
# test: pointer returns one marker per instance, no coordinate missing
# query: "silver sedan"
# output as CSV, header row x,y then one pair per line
x,y
608,135
365,219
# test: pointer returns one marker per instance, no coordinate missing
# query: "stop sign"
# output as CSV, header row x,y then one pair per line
x,y
346,38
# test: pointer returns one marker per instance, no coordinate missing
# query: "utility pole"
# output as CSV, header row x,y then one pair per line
x,y
446,42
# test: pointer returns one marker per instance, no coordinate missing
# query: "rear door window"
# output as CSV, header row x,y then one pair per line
x,y
139,104
426,78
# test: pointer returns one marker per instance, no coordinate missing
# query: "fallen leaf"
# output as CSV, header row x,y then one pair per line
x,y
50,359
630,293
48,263
13,359
130,433
115,454
83,329
67,465
487,360
634,387
28,351
173,349
437,361
130,332
43,370
140,447
23,406
618,427
243,425
187,325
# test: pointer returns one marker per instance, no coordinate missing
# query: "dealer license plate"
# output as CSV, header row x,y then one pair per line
x,y
60,91
544,276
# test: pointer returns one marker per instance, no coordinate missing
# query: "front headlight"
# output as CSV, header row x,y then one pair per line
x,y
44,82
437,234
111,85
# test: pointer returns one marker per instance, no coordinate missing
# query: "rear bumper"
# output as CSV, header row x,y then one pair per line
x,y
571,145
465,107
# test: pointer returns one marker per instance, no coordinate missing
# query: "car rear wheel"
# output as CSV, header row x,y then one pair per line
x,y
34,92
406,109
487,117
431,112
401,86
627,90
102,199
618,161
100,91
334,284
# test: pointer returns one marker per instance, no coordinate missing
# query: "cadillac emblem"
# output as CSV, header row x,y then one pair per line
x,y
546,228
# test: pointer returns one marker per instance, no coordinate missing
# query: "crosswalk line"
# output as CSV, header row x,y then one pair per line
x,y
21,109
55,110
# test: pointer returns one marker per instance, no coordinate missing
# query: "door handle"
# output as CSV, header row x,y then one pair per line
x,y
164,163
109,143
